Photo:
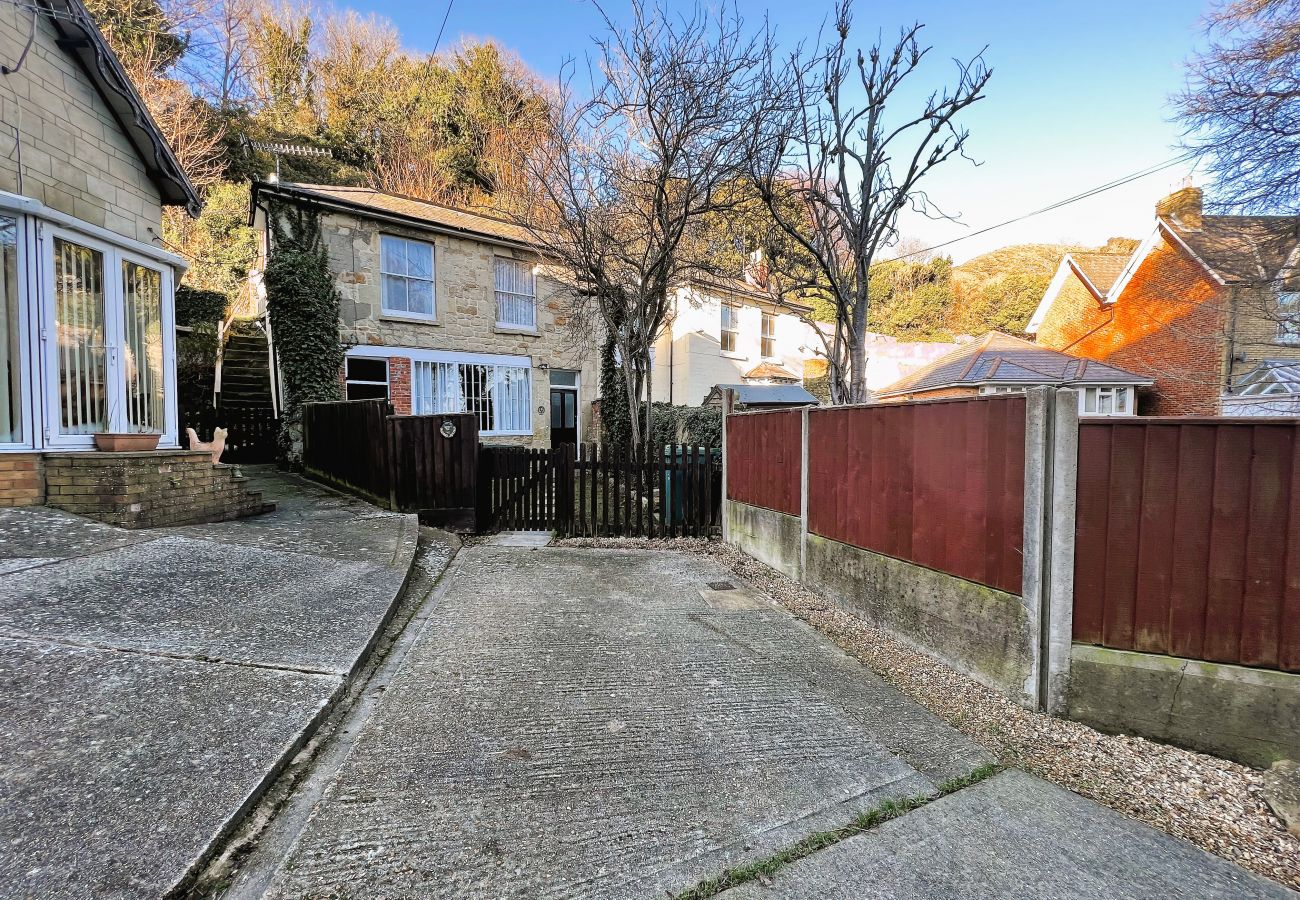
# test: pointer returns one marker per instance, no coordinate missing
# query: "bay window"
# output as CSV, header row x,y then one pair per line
x,y
12,430
87,332
498,393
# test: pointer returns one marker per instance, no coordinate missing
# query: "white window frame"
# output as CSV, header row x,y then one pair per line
x,y
28,349
987,390
764,318
388,374
734,330
432,280
521,301
1094,393
114,310
1288,323
474,359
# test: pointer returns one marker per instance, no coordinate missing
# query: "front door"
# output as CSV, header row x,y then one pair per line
x,y
564,416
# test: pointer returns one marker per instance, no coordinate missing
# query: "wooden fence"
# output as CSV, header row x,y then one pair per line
x,y
1188,539
764,459
424,464
251,430
939,484
590,490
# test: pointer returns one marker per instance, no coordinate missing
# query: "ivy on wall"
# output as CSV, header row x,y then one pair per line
x,y
699,426
303,305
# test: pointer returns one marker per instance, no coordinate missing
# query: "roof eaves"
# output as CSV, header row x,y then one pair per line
x,y
84,42
299,194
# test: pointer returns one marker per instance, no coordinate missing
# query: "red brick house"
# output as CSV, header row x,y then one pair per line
x,y
1198,308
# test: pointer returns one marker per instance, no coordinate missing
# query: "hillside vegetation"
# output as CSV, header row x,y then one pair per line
x,y
998,291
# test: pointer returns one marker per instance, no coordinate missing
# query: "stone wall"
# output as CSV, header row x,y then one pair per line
x,y
22,479
148,490
74,155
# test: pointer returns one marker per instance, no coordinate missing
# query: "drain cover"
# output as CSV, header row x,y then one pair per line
x,y
721,586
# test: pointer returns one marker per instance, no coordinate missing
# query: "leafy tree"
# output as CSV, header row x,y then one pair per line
x,y
220,244
1242,103
140,33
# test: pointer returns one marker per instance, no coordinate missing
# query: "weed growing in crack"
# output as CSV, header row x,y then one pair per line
x,y
889,809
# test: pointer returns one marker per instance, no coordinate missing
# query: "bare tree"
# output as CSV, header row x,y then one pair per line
x,y
851,167
1241,104
627,176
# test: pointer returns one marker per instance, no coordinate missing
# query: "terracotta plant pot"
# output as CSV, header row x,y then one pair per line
x,y
126,443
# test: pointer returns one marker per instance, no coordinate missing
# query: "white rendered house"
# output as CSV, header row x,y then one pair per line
x,y
728,332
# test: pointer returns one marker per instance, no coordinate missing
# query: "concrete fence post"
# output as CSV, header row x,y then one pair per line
x,y
803,494
1037,518
1059,623
728,401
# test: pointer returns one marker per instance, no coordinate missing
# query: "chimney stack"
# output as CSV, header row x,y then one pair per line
x,y
756,270
1182,208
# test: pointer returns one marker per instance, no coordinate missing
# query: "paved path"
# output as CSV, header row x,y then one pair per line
x,y
152,681
620,724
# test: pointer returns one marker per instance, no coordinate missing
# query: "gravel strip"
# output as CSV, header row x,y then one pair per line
x,y
1215,804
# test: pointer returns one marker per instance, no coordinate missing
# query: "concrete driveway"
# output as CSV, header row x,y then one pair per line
x,y
619,724
152,682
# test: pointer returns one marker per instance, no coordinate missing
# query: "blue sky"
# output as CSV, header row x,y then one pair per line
x,y
1078,98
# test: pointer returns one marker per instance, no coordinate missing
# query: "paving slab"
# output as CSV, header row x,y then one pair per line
x,y
208,600
1012,837
117,769
578,723
152,682
36,533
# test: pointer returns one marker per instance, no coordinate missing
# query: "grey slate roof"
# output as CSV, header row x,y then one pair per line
x,y
416,212
1000,358
769,394
1242,248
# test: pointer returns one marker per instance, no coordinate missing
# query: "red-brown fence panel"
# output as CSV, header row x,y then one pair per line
x,y
938,484
765,459
1187,539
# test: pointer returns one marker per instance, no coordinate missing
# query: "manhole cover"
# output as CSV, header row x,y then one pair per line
x,y
721,586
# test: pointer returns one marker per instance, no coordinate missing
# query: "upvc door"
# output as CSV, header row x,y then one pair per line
x,y
108,341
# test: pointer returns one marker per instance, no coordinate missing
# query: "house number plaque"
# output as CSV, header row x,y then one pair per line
x,y
448,428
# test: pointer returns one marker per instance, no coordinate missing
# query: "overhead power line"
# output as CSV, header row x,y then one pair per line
x,y
1091,192
438,40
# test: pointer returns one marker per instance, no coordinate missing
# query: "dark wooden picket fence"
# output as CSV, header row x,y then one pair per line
x,y
251,430
422,464
594,490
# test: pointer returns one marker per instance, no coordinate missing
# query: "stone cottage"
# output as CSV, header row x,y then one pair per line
x,y
446,310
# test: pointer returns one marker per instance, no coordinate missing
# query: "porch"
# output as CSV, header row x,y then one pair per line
x,y
87,340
